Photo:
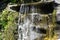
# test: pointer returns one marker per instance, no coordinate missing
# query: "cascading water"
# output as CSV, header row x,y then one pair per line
x,y
23,24
26,24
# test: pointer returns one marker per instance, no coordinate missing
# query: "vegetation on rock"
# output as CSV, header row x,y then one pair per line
x,y
8,24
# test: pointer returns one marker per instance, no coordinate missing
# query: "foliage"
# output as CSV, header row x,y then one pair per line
x,y
20,1
0,36
8,23
12,1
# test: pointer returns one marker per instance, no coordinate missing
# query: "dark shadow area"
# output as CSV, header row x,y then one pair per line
x,y
0,27
15,8
58,22
36,0
30,1
3,5
45,8
39,30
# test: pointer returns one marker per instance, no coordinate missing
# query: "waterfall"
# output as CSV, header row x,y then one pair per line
x,y
23,27
20,37
25,31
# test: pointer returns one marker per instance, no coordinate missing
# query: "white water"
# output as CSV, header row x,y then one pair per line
x,y
26,32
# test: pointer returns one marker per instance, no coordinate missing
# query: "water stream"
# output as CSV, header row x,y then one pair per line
x,y
25,25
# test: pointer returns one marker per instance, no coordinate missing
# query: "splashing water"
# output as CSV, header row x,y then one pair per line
x,y
25,28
